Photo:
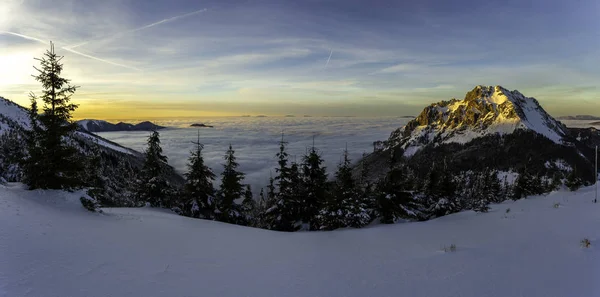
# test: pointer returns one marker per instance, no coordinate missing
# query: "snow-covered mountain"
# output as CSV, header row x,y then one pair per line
x,y
120,165
486,110
491,128
104,126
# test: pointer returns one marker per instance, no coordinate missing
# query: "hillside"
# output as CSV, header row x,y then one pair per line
x,y
119,165
491,127
51,247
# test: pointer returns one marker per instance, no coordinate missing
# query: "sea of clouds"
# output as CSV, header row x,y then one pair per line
x,y
256,141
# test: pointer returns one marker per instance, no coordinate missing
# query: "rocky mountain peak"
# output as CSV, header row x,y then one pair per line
x,y
484,110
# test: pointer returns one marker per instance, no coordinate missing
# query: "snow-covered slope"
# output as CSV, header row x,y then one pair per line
x,y
50,246
119,165
14,116
11,115
484,111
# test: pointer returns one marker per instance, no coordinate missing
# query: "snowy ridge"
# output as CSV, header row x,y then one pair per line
x,y
484,111
50,246
11,115
14,116
104,143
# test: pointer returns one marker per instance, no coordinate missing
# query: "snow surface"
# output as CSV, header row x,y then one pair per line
x,y
535,121
50,246
84,124
105,143
14,112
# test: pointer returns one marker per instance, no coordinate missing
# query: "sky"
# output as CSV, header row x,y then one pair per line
x,y
190,58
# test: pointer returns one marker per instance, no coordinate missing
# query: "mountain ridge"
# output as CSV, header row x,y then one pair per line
x,y
579,117
485,110
105,126
490,129
119,165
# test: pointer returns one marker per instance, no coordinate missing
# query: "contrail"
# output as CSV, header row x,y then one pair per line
x,y
330,53
99,59
24,36
168,20
69,50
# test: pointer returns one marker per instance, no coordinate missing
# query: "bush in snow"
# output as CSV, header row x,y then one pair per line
x,y
585,243
573,181
90,204
450,249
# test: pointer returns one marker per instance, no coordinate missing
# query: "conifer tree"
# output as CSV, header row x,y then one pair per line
x,y
52,163
394,199
440,192
522,186
259,210
507,189
573,181
268,207
231,189
285,214
153,187
94,176
314,180
487,190
198,188
249,207
12,155
346,206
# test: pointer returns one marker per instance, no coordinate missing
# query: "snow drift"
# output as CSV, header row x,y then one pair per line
x,y
50,246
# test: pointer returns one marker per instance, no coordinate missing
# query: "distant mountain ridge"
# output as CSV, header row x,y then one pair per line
x,y
579,118
104,126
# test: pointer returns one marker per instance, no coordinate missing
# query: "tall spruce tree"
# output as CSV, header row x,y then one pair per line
x,y
346,207
199,191
52,163
393,199
231,190
249,208
153,186
314,180
94,176
523,184
285,214
440,192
